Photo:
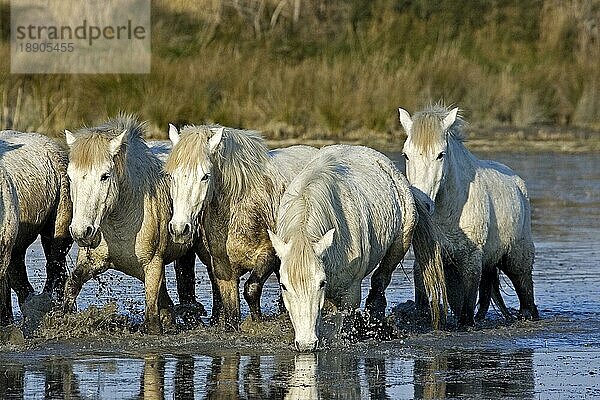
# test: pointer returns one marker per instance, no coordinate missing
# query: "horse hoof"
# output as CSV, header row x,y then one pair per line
x,y
152,328
529,315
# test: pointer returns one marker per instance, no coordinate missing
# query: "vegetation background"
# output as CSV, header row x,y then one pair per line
x,y
336,69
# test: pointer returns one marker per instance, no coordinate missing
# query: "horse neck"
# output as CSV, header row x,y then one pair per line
x,y
230,192
460,173
140,176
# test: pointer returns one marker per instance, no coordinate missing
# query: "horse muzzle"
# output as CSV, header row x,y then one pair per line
x,y
306,345
181,232
86,236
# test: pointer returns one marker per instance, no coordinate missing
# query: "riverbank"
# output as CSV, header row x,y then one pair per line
x,y
543,139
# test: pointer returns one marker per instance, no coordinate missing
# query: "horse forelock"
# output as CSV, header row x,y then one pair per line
x,y
241,159
191,149
91,147
301,264
426,131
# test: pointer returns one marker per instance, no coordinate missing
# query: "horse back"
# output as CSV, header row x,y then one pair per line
x,y
37,166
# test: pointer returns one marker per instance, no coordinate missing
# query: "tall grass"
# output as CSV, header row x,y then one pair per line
x,y
336,69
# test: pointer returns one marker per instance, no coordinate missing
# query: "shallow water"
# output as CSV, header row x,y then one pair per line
x,y
558,357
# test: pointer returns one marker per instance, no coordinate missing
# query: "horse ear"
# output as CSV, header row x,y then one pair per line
x,y
69,137
281,247
405,120
324,243
173,134
115,143
215,139
449,119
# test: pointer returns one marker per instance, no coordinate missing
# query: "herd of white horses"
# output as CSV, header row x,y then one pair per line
x,y
320,219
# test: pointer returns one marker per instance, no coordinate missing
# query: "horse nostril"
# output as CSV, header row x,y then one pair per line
x,y
297,345
187,228
171,231
315,345
89,230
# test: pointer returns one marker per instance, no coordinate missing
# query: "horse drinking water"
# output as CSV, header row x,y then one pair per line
x,y
347,213
226,183
482,207
121,210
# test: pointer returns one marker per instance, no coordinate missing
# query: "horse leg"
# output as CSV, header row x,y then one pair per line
x,y
485,292
471,277
186,278
376,302
230,303
227,280
254,285
489,289
87,266
56,242
55,250
6,315
165,305
17,276
518,267
154,278
421,300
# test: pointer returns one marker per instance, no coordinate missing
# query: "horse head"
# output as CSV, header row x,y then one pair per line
x,y
303,283
425,151
94,173
190,169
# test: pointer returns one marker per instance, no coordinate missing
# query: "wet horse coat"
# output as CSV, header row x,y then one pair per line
x,y
37,166
347,213
225,183
121,208
482,207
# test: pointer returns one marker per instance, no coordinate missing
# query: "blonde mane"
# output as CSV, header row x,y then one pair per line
x,y
426,129
310,211
241,159
91,148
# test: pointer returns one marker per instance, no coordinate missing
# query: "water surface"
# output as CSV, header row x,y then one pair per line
x,y
558,357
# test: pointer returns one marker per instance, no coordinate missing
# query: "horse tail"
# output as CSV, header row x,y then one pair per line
x,y
497,297
428,244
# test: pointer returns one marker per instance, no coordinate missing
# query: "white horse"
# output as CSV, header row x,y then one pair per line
x,y
346,213
482,207
37,166
226,183
121,210
9,225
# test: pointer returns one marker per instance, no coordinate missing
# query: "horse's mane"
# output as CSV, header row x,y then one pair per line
x,y
91,148
307,212
426,128
241,158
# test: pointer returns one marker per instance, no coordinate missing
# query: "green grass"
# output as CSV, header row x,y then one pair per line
x,y
340,71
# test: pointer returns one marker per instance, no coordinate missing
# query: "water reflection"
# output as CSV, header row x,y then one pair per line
x,y
326,375
485,375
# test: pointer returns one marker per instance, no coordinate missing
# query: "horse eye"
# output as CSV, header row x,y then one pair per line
x,y
204,178
282,286
441,155
405,156
104,177
323,284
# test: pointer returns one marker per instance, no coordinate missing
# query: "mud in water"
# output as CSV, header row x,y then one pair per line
x,y
100,352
